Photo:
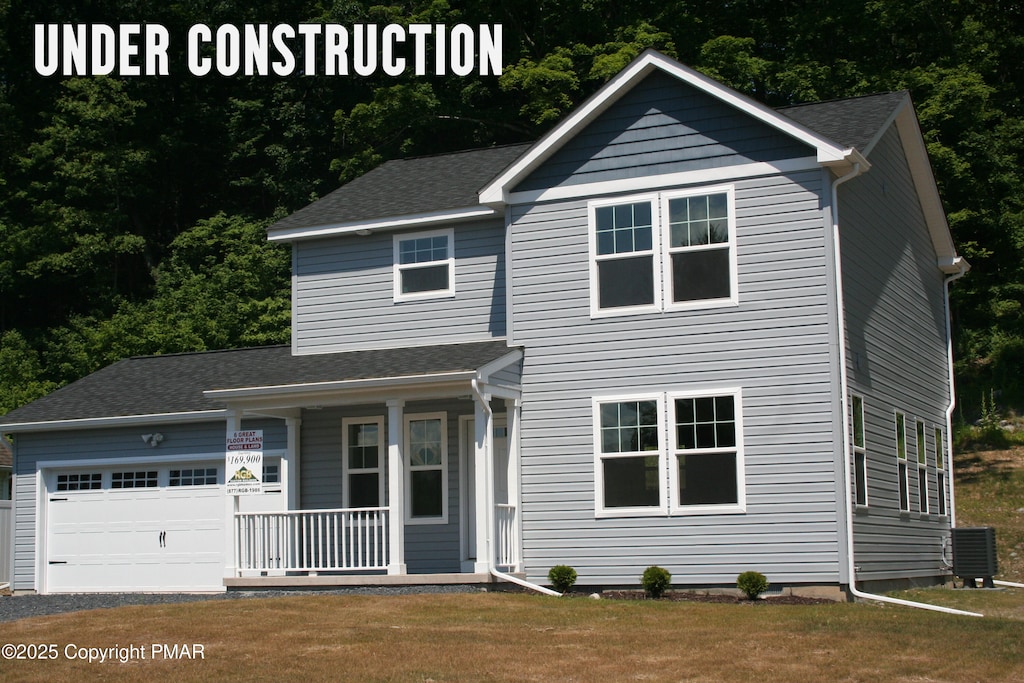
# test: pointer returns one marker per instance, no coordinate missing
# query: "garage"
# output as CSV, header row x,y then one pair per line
x,y
135,528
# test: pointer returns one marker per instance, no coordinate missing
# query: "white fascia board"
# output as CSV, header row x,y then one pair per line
x,y
513,356
496,192
657,182
383,224
340,386
119,421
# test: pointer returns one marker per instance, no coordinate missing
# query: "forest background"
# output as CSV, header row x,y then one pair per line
x,y
132,210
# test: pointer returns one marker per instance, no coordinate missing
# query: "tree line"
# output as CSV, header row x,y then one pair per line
x,y
132,210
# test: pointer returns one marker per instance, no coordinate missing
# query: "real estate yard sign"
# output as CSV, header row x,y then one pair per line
x,y
244,471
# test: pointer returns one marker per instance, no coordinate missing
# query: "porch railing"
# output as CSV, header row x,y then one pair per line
x,y
506,536
349,539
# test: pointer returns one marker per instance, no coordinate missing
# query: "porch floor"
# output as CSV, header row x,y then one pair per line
x,y
269,582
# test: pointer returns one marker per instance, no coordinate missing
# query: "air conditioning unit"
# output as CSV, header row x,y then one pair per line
x,y
974,555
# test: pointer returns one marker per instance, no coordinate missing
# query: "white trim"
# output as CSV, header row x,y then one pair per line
x,y
484,372
122,420
338,385
594,258
740,505
410,468
467,451
398,268
667,250
862,449
346,470
496,191
664,180
600,511
390,223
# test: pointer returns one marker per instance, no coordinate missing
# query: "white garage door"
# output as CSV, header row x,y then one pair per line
x,y
136,529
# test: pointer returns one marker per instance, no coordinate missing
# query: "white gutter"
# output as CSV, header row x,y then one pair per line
x,y
488,493
962,270
843,388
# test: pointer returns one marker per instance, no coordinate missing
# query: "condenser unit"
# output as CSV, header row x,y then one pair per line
x,y
974,555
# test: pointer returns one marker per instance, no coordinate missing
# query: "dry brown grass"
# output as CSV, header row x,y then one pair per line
x,y
508,637
990,492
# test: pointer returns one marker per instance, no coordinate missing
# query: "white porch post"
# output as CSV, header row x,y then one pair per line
x,y
484,446
513,410
234,423
290,463
396,488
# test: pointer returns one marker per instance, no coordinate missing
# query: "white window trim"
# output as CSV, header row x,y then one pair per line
x,y
942,507
859,450
921,452
346,422
397,267
902,473
601,511
410,468
655,252
667,250
740,506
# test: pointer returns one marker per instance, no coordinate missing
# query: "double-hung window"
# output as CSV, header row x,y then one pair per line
x,y
663,251
426,439
424,264
860,460
901,461
363,455
675,453
922,469
940,474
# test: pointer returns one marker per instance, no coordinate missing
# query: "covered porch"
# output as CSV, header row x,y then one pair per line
x,y
408,476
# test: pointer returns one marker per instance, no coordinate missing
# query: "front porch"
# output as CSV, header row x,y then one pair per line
x,y
384,481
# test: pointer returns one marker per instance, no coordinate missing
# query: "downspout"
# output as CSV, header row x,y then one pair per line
x,y
488,494
961,264
843,401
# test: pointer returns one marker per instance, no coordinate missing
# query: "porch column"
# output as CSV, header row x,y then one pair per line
x,y
396,488
290,463
484,446
513,411
234,424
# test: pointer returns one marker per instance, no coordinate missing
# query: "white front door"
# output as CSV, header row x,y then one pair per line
x,y
131,530
467,442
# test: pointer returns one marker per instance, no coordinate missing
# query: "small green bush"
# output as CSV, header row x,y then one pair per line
x,y
655,580
562,577
752,584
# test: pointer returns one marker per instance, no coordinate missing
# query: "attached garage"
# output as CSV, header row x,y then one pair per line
x,y
142,527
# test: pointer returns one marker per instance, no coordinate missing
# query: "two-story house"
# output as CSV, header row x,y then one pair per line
x,y
681,329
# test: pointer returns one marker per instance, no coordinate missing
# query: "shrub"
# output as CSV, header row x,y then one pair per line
x,y
562,577
752,584
655,580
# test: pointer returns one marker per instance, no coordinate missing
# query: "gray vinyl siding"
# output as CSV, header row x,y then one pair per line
x,y
343,293
429,548
774,346
84,445
895,313
663,126
509,377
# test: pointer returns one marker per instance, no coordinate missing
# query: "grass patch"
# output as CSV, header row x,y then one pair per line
x,y
510,637
990,492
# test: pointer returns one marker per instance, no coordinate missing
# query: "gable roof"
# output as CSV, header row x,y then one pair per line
x,y
403,192
178,384
853,121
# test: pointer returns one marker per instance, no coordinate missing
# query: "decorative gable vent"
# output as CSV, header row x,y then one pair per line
x,y
974,555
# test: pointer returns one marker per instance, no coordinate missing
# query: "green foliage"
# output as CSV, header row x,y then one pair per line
x,y
752,584
655,581
562,577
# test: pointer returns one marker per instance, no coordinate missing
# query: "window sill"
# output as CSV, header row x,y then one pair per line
x,y
691,511
425,296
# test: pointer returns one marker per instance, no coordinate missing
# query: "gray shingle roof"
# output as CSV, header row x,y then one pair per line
x,y
852,122
408,186
174,383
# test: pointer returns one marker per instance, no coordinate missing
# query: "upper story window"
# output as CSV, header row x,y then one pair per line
x,y
424,264
665,251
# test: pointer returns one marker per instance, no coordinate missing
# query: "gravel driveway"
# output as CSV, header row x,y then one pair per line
x,y
22,606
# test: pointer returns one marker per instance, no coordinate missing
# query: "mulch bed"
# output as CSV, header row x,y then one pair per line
x,y
685,596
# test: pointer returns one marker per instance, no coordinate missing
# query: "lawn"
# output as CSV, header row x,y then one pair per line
x,y
518,637
990,492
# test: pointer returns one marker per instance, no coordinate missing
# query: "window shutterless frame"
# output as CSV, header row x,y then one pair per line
x,y
363,454
625,255
706,440
922,467
860,456
424,264
903,476
426,472
698,233
623,452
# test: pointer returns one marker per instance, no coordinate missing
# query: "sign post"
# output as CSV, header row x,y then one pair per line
x,y
243,473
